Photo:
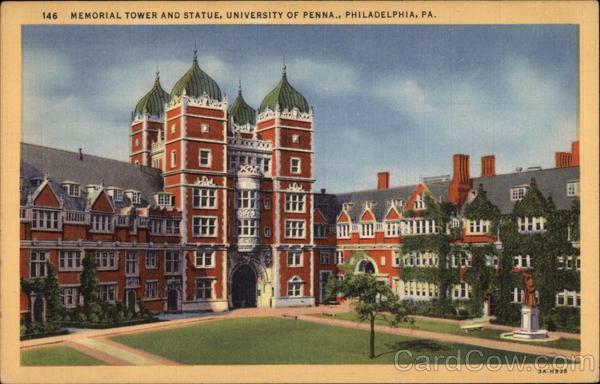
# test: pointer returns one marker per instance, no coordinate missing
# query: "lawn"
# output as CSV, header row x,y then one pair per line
x,y
60,355
453,328
287,341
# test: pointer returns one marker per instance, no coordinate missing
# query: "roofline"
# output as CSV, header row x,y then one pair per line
x,y
525,171
98,157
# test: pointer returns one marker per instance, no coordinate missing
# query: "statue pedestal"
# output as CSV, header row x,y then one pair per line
x,y
530,325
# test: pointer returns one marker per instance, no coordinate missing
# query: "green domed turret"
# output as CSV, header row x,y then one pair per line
x,y
285,96
241,112
195,82
153,102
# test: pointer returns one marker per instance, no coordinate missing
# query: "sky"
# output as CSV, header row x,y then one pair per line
x,y
393,98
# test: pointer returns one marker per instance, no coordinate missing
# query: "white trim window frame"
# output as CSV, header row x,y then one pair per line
x,y
44,219
204,259
107,259
339,257
151,259
204,226
392,229
295,287
367,230
320,231
573,188
267,231
324,257
151,289
205,158
295,202
70,295
132,263
204,198
247,199
107,292
70,260
295,165
295,229
518,193
203,288
343,231
294,258
38,263
100,222
172,262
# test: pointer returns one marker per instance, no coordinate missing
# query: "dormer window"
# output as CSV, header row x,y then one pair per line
x,y
116,194
37,181
573,188
93,188
419,202
164,199
72,188
517,193
398,202
531,224
370,204
347,206
134,196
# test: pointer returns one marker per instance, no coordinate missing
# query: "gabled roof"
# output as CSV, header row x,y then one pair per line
x,y
63,165
551,182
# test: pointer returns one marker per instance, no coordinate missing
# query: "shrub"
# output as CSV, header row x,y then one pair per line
x,y
93,318
81,317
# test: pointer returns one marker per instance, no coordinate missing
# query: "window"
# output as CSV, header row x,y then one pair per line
x,y
324,257
117,194
42,219
569,298
106,259
419,202
204,128
294,287
72,189
172,262
135,196
267,231
151,289
339,257
531,224
204,158
397,259
295,139
294,258
294,202
173,159
479,226
248,227
267,203
69,260
165,199
343,230
205,259
101,223
573,188
517,193
151,260
248,199
295,165
173,227
38,263
173,128
205,198
319,230
294,229
366,230
156,226
462,291
517,295
392,229
203,288
204,226
131,263
266,166
69,296
137,142
107,292
491,261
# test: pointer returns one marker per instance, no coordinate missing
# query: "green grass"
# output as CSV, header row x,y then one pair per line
x,y
60,355
286,341
454,328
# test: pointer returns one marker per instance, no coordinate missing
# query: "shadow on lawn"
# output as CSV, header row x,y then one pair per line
x,y
414,345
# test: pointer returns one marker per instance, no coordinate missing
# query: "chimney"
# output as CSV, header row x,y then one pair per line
x,y
563,159
323,190
460,185
488,166
575,153
383,180
80,154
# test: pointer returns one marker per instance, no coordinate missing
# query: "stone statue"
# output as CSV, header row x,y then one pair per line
x,y
529,297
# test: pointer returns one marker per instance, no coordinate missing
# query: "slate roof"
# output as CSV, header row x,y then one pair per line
x,y
195,82
381,197
63,165
551,182
241,112
152,102
328,205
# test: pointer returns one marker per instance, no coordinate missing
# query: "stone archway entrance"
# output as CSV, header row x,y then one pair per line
x,y
243,287
38,309
172,300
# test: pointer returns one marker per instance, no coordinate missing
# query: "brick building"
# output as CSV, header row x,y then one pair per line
x,y
216,210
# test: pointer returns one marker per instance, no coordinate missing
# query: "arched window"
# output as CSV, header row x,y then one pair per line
x,y
294,287
366,266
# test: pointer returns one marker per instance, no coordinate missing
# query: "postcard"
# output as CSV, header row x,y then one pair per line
x,y
206,192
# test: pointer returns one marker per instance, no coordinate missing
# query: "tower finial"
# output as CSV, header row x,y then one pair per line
x,y
240,86
195,51
284,67
157,72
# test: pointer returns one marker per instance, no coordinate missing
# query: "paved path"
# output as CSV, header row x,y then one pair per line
x,y
444,337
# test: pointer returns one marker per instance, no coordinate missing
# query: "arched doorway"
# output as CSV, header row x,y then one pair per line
x,y
243,287
38,309
366,266
172,299
131,300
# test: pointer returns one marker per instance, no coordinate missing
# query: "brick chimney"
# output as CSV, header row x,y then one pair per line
x,y
563,159
488,166
460,185
383,180
575,153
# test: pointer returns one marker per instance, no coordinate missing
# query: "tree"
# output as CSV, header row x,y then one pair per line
x,y
52,292
373,298
89,280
